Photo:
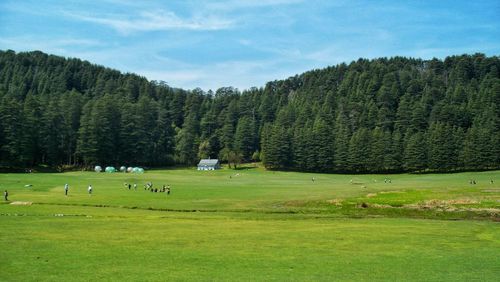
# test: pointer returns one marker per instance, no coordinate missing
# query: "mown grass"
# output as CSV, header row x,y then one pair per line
x,y
255,225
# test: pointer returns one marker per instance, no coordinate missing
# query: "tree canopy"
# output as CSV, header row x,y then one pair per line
x,y
383,115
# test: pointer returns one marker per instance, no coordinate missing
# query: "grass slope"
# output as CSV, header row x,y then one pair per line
x,y
250,225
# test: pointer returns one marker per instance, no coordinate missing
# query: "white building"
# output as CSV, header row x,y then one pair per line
x,y
208,164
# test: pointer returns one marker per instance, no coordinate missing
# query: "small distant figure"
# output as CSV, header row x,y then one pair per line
x,y
474,182
491,181
168,190
385,180
470,181
90,189
66,188
313,179
6,195
230,176
135,186
156,190
129,186
390,181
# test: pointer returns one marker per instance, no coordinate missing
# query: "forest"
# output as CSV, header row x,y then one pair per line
x,y
383,115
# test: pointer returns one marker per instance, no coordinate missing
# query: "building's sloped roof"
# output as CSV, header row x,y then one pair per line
x,y
208,162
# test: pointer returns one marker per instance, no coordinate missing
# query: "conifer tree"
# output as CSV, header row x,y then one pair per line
x,y
415,153
244,138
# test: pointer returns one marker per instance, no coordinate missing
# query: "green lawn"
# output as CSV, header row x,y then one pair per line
x,y
251,224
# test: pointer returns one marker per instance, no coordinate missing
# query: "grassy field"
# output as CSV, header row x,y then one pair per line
x,y
249,225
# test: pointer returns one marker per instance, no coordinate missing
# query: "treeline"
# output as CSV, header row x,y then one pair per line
x,y
383,115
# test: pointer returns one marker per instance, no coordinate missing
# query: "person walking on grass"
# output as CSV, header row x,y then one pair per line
x,y
90,190
66,188
6,195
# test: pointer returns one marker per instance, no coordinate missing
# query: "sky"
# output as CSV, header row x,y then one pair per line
x,y
243,43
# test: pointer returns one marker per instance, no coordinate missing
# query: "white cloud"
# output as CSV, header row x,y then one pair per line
x,y
58,46
155,21
248,4
239,74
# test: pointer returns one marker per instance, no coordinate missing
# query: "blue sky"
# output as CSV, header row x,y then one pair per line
x,y
210,44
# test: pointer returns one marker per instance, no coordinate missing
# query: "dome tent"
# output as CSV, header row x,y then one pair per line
x,y
123,169
98,168
129,169
110,169
138,170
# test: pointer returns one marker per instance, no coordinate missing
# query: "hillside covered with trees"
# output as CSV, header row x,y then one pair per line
x,y
382,115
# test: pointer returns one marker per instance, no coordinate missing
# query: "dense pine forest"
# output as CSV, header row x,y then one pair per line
x,y
383,115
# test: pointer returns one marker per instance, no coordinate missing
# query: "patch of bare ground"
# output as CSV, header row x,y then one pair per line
x,y
295,203
18,203
371,195
336,202
378,206
441,205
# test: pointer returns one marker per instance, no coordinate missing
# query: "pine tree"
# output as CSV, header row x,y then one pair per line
x,y
163,137
341,144
394,156
11,124
70,106
51,133
415,153
277,148
87,143
324,151
31,129
244,138
359,151
378,151
187,142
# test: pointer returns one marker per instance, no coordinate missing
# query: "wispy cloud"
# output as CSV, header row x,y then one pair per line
x,y
239,74
246,4
60,46
155,21
244,43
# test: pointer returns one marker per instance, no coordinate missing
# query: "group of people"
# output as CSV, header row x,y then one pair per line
x,y
164,189
130,186
149,187
66,189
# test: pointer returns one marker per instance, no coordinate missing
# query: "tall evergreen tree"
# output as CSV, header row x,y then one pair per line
x,y
245,138
415,153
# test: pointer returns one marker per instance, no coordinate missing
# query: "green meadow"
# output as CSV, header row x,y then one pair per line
x,y
250,225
